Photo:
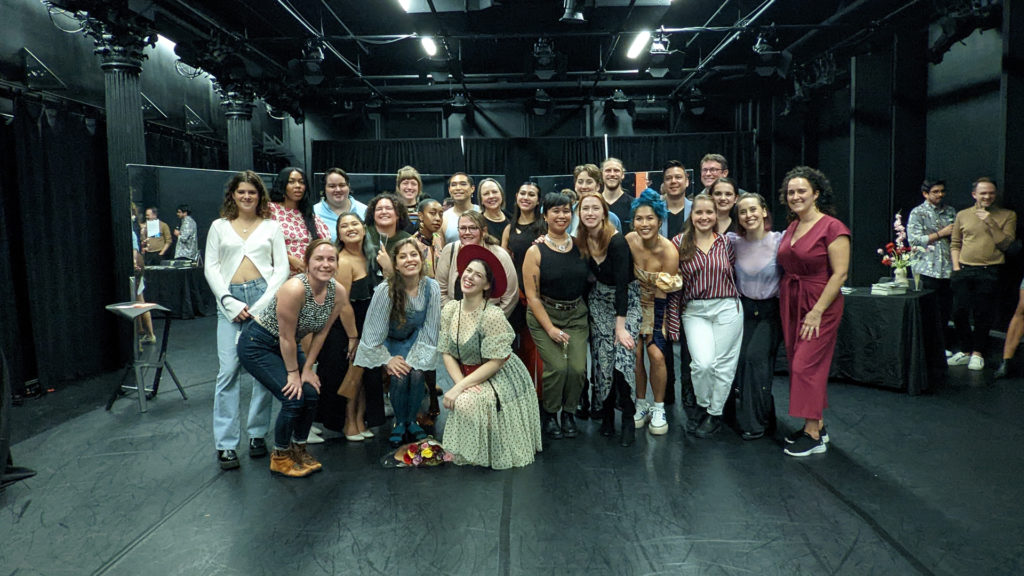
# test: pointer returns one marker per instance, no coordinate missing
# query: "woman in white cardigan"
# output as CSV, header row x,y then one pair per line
x,y
246,262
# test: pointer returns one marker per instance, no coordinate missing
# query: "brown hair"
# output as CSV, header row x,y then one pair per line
x,y
396,282
606,228
688,244
401,212
316,244
819,183
764,205
592,170
481,223
409,173
229,209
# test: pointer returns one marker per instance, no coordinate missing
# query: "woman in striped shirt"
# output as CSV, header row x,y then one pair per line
x,y
711,315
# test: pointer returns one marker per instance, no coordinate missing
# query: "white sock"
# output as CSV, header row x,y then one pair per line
x,y
659,405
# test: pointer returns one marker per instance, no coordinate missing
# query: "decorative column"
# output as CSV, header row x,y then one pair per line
x,y
238,112
120,41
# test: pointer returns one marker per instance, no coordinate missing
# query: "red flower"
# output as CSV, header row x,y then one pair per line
x,y
890,247
887,261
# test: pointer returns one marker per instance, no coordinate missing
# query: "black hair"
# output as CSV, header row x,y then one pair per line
x,y
277,194
185,208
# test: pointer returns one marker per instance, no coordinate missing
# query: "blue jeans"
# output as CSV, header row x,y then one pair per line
x,y
406,395
227,394
260,354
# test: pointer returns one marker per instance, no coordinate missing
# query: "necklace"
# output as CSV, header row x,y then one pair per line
x,y
560,247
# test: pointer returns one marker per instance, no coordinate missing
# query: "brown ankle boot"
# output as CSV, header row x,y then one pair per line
x,y
300,455
282,462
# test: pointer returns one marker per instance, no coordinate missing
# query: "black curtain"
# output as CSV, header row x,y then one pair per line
x,y
520,158
166,147
64,210
15,329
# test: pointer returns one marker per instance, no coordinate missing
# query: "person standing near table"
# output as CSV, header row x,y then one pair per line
x,y
156,237
187,246
815,257
930,227
269,349
981,235
246,262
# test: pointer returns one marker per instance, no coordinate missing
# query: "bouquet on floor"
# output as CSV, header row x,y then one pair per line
x,y
426,452
898,254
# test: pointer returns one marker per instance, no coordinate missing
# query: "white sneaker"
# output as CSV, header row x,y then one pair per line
x,y
958,359
976,363
949,353
643,414
314,438
659,425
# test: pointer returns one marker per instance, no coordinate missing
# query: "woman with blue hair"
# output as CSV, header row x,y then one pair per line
x,y
656,267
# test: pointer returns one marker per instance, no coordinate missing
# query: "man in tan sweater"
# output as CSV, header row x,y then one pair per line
x,y
156,238
981,235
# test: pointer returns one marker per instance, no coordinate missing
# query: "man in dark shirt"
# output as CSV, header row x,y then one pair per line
x,y
674,184
619,201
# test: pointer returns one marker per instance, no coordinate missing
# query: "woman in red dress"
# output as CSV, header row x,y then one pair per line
x,y
814,256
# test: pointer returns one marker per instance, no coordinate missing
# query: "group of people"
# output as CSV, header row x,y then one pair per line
x,y
962,256
392,299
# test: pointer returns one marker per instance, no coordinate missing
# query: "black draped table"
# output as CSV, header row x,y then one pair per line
x,y
183,291
891,341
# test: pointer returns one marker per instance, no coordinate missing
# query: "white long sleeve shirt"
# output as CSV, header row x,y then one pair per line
x,y
224,252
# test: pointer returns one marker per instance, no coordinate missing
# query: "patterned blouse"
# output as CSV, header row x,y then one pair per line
x,y
925,219
312,317
296,235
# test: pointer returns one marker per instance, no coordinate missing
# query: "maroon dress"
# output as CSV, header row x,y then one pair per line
x,y
806,271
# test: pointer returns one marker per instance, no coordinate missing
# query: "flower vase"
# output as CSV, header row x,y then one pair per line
x,y
899,276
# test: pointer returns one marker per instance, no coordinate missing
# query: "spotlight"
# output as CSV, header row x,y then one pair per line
x,y
573,12
638,45
429,46
541,102
619,101
696,103
458,105
762,46
312,60
546,62
658,64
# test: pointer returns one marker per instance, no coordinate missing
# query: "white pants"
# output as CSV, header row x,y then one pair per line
x,y
714,332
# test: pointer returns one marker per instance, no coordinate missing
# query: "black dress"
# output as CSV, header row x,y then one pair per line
x,y
333,365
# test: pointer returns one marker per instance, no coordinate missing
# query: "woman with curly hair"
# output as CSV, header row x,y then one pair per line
x,y
400,333
815,257
246,263
291,207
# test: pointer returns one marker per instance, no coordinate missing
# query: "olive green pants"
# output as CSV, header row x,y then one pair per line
x,y
564,370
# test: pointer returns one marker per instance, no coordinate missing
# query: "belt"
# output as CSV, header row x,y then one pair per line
x,y
561,304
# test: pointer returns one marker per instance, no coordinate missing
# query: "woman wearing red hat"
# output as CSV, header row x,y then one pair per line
x,y
494,419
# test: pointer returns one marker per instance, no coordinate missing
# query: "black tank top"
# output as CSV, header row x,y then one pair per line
x,y
563,275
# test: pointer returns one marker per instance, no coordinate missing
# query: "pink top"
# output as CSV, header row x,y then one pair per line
x,y
296,235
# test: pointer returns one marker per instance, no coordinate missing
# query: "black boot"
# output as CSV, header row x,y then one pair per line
x,y
607,420
551,428
699,415
1004,368
569,429
628,435
709,426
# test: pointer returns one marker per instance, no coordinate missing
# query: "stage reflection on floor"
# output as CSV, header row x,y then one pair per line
x,y
910,485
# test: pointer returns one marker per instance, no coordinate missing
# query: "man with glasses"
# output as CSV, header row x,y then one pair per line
x,y
930,227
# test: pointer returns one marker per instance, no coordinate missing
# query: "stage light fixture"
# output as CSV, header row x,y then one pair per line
x,y
696,103
545,59
659,55
573,12
638,45
312,61
541,102
429,46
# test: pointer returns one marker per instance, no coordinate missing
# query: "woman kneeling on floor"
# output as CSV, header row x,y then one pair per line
x,y
495,418
267,348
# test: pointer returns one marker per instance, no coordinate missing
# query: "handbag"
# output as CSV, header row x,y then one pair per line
x,y
353,380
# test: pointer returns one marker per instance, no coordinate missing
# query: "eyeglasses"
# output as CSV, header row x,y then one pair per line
x,y
710,170
468,228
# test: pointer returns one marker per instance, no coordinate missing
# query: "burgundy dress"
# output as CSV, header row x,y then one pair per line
x,y
806,271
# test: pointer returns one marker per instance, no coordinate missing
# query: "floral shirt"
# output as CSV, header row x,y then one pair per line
x,y
296,235
924,220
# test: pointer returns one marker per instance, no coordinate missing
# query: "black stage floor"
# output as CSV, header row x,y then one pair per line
x,y
910,485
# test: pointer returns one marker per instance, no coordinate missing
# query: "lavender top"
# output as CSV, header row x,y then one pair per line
x,y
757,273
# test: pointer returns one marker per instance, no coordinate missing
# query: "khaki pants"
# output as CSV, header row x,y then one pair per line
x,y
564,371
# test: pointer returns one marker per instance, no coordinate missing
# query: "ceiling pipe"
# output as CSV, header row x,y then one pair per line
x,y
829,21
611,49
330,47
757,13
713,16
351,35
233,35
